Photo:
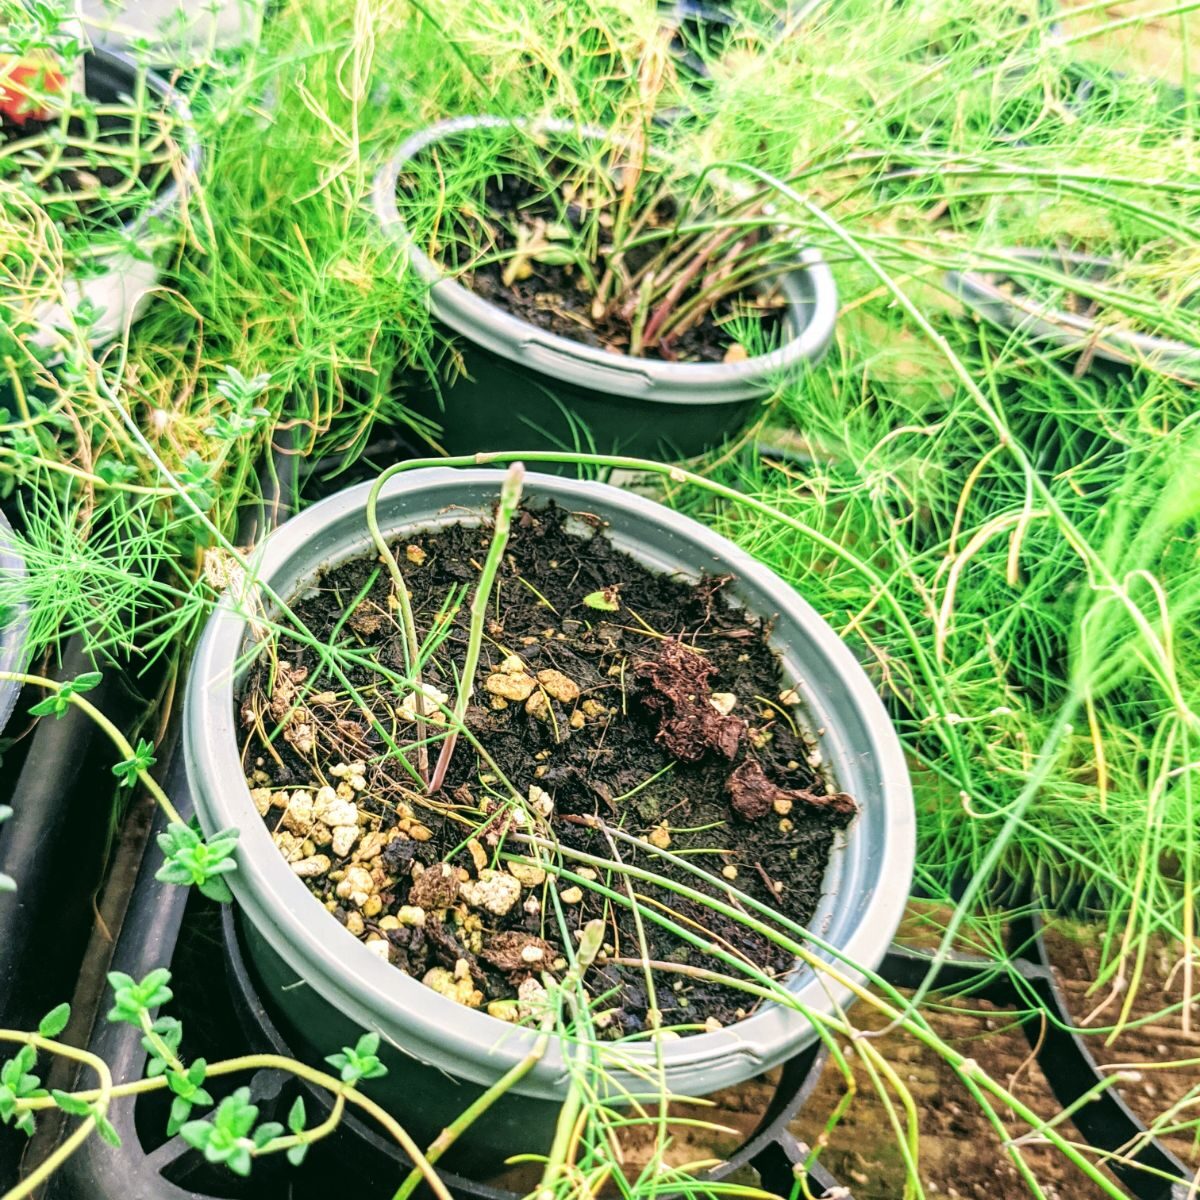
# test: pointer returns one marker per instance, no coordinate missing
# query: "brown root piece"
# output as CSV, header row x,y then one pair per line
x,y
287,688
753,795
299,733
367,619
676,688
514,952
448,951
436,888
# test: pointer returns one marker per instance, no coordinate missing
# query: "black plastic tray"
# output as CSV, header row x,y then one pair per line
x,y
222,1013
57,779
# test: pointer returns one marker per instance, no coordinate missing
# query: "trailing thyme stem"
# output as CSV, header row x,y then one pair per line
x,y
316,1133
232,1066
100,1098
114,735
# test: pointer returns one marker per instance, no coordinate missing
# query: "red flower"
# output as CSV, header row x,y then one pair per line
x,y
23,81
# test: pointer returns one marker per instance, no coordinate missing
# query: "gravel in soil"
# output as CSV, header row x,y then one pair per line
x,y
663,713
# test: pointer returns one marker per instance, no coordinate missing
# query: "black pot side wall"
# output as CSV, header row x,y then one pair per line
x,y
57,844
54,845
498,404
60,785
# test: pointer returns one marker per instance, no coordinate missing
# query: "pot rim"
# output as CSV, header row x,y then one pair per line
x,y
811,291
351,978
976,287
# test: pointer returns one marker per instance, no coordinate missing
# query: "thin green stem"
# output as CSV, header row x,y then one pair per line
x,y
510,499
118,739
412,650
447,1138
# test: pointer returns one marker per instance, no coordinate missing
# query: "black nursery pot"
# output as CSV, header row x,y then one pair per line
x,y
525,386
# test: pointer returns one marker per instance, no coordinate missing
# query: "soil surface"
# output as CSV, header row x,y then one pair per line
x,y
960,1153
862,1152
1153,1034
557,297
961,1156
662,713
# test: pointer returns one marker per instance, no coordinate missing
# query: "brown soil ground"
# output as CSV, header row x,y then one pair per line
x,y
960,1153
1153,1034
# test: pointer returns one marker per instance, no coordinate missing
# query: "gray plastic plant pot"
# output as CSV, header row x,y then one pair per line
x,y
120,283
561,394
325,986
981,291
13,621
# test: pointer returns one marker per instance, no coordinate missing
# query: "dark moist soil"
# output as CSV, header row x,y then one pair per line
x,y
97,213
555,297
736,790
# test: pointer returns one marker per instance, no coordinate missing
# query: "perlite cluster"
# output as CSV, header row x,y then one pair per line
x,y
318,822
358,868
